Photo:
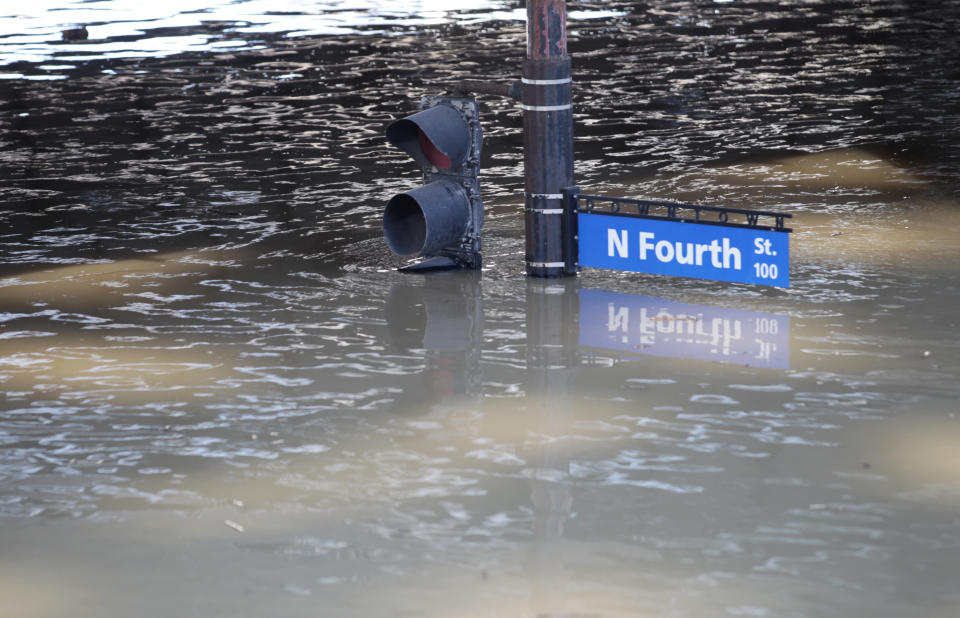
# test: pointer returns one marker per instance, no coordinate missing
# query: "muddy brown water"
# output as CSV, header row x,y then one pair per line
x,y
218,398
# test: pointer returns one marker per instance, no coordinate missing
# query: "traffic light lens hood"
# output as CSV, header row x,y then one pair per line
x,y
426,220
445,131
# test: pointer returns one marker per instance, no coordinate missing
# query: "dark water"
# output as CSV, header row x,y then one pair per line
x,y
219,398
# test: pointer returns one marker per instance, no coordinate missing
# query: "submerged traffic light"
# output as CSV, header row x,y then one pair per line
x,y
442,219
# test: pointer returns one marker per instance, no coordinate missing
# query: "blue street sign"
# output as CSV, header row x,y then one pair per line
x,y
647,325
685,249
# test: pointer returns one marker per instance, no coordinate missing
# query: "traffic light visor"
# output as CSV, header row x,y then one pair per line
x,y
437,136
427,219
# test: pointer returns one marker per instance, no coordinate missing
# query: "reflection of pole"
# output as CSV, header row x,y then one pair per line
x,y
552,338
548,135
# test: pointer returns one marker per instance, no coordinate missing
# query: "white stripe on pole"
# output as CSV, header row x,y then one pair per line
x,y
546,108
547,82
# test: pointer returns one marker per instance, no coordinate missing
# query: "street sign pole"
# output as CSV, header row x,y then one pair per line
x,y
548,139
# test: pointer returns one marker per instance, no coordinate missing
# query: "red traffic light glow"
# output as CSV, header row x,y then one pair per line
x,y
433,154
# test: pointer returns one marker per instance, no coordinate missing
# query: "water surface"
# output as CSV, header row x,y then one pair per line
x,y
219,397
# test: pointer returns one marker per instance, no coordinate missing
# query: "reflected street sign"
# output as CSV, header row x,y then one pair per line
x,y
647,325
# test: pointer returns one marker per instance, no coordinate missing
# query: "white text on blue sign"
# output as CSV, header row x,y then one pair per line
x,y
685,249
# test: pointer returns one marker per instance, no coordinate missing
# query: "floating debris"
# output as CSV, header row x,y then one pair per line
x,y
232,524
75,34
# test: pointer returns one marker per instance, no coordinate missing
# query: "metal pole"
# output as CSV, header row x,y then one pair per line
x,y
548,137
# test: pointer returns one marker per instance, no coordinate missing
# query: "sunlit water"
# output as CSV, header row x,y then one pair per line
x,y
136,28
219,398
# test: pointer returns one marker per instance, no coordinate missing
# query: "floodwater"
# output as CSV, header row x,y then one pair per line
x,y
220,399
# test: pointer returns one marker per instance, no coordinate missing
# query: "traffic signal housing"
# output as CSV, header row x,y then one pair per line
x,y
441,220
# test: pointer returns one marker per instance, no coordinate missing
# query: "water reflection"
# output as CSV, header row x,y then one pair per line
x,y
663,328
441,314
552,359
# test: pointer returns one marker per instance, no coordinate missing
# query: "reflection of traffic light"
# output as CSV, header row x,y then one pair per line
x,y
442,219
440,317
